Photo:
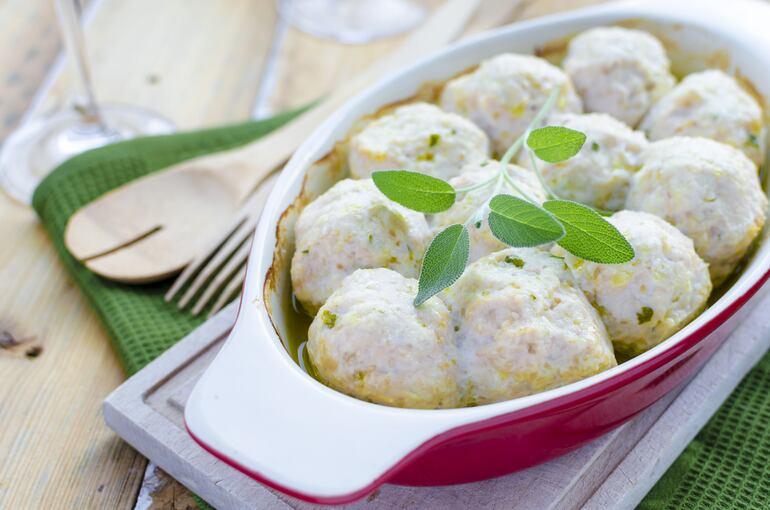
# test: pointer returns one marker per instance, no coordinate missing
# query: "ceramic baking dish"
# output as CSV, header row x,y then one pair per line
x,y
257,410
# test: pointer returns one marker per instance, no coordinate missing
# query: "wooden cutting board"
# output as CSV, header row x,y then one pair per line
x,y
613,472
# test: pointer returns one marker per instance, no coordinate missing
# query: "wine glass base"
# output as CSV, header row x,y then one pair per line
x,y
40,145
352,21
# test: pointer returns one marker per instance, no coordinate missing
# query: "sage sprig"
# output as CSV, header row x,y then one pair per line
x,y
555,143
588,235
518,221
416,191
444,262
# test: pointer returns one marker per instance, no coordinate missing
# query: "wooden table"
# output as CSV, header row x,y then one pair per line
x,y
199,63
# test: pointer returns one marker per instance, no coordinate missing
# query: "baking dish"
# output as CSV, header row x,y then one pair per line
x,y
257,410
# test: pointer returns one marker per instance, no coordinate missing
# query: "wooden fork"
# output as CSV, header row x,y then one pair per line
x,y
220,268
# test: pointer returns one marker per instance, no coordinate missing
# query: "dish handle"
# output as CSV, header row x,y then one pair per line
x,y
255,409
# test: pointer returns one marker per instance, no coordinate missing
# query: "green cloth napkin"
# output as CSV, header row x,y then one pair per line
x,y
138,320
726,466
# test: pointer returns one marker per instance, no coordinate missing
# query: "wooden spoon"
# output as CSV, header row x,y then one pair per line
x,y
150,228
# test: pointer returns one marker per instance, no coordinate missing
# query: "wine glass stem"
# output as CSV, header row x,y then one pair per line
x,y
68,12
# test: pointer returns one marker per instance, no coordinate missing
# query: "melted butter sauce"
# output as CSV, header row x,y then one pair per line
x,y
297,324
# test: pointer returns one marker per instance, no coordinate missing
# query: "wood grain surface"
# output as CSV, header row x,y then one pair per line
x,y
309,66
197,62
29,43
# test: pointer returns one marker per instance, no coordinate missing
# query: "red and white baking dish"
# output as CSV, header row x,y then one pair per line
x,y
257,410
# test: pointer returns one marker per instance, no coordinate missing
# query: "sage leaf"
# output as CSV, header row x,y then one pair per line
x,y
444,262
555,143
603,212
588,235
520,223
416,191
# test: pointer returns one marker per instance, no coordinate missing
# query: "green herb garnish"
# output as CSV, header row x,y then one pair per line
x,y
516,261
444,262
329,319
434,139
645,315
416,191
517,222
554,143
515,219
588,235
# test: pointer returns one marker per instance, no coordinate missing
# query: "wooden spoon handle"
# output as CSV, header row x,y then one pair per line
x,y
246,167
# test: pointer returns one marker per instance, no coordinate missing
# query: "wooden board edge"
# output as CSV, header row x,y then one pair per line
x,y
132,419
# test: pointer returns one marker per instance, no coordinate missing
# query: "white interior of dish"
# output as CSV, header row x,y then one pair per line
x,y
258,408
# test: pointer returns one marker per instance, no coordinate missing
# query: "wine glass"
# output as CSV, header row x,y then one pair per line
x,y
39,145
352,21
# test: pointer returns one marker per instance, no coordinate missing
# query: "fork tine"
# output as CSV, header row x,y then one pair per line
x,y
217,251
223,276
230,291
195,264
212,266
